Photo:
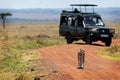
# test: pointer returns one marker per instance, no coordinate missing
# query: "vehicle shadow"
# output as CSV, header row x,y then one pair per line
x,y
94,44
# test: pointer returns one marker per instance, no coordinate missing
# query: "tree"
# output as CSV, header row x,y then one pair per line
x,y
3,17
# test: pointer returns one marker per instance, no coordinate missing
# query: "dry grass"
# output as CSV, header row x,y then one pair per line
x,y
112,53
32,29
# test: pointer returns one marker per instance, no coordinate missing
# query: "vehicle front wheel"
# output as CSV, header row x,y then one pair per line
x,y
88,40
108,41
69,39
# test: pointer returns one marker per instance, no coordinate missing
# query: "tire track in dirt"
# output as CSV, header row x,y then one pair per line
x,y
63,58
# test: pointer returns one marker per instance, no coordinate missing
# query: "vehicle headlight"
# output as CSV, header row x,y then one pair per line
x,y
94,30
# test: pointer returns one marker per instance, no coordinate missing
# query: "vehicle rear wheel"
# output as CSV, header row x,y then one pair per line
x,y
69,39
108,41
88,40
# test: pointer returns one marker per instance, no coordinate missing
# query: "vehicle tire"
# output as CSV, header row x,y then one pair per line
x,y
88,40
108,41
69,39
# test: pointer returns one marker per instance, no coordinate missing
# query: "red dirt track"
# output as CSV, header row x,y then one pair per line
x,y
63,58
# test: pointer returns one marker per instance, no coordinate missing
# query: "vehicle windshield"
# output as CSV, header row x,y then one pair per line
x,y
91,21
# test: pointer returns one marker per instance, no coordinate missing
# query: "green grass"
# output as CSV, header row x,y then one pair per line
x,y
16,44
112,52
16,64
111,58
26,45
12,63
15,61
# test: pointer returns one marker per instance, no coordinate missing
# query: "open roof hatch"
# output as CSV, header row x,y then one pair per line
x,y
84,5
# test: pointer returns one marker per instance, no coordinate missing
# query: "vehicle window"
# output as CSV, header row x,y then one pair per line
x,y
78,21
75,21
64,20
71,21
99,22
93,21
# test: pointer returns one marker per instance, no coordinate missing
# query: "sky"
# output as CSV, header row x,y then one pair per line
x,y
20,4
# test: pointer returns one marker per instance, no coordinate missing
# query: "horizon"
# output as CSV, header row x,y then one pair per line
x,y
43,15
52,8
53,4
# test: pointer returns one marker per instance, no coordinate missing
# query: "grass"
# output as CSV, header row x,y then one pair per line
x,y
112,53
17,44
15,61
25,45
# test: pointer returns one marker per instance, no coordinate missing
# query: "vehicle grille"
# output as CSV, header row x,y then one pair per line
x,y
103,31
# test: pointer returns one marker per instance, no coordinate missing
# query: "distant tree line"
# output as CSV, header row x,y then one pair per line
x,y
3,17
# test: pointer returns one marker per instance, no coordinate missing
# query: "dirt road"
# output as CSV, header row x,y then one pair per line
x,y
64,59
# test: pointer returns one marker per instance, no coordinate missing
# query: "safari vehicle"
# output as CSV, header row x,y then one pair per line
x,y
87,26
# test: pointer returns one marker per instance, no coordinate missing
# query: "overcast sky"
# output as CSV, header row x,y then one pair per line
x,y
18,4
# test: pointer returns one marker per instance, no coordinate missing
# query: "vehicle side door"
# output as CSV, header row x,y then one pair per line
x,y
71,27
80,30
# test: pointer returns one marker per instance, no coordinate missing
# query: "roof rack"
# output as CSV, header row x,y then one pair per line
x,y
84,5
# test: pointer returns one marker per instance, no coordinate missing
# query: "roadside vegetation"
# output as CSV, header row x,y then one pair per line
x,y
18,43
112,53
